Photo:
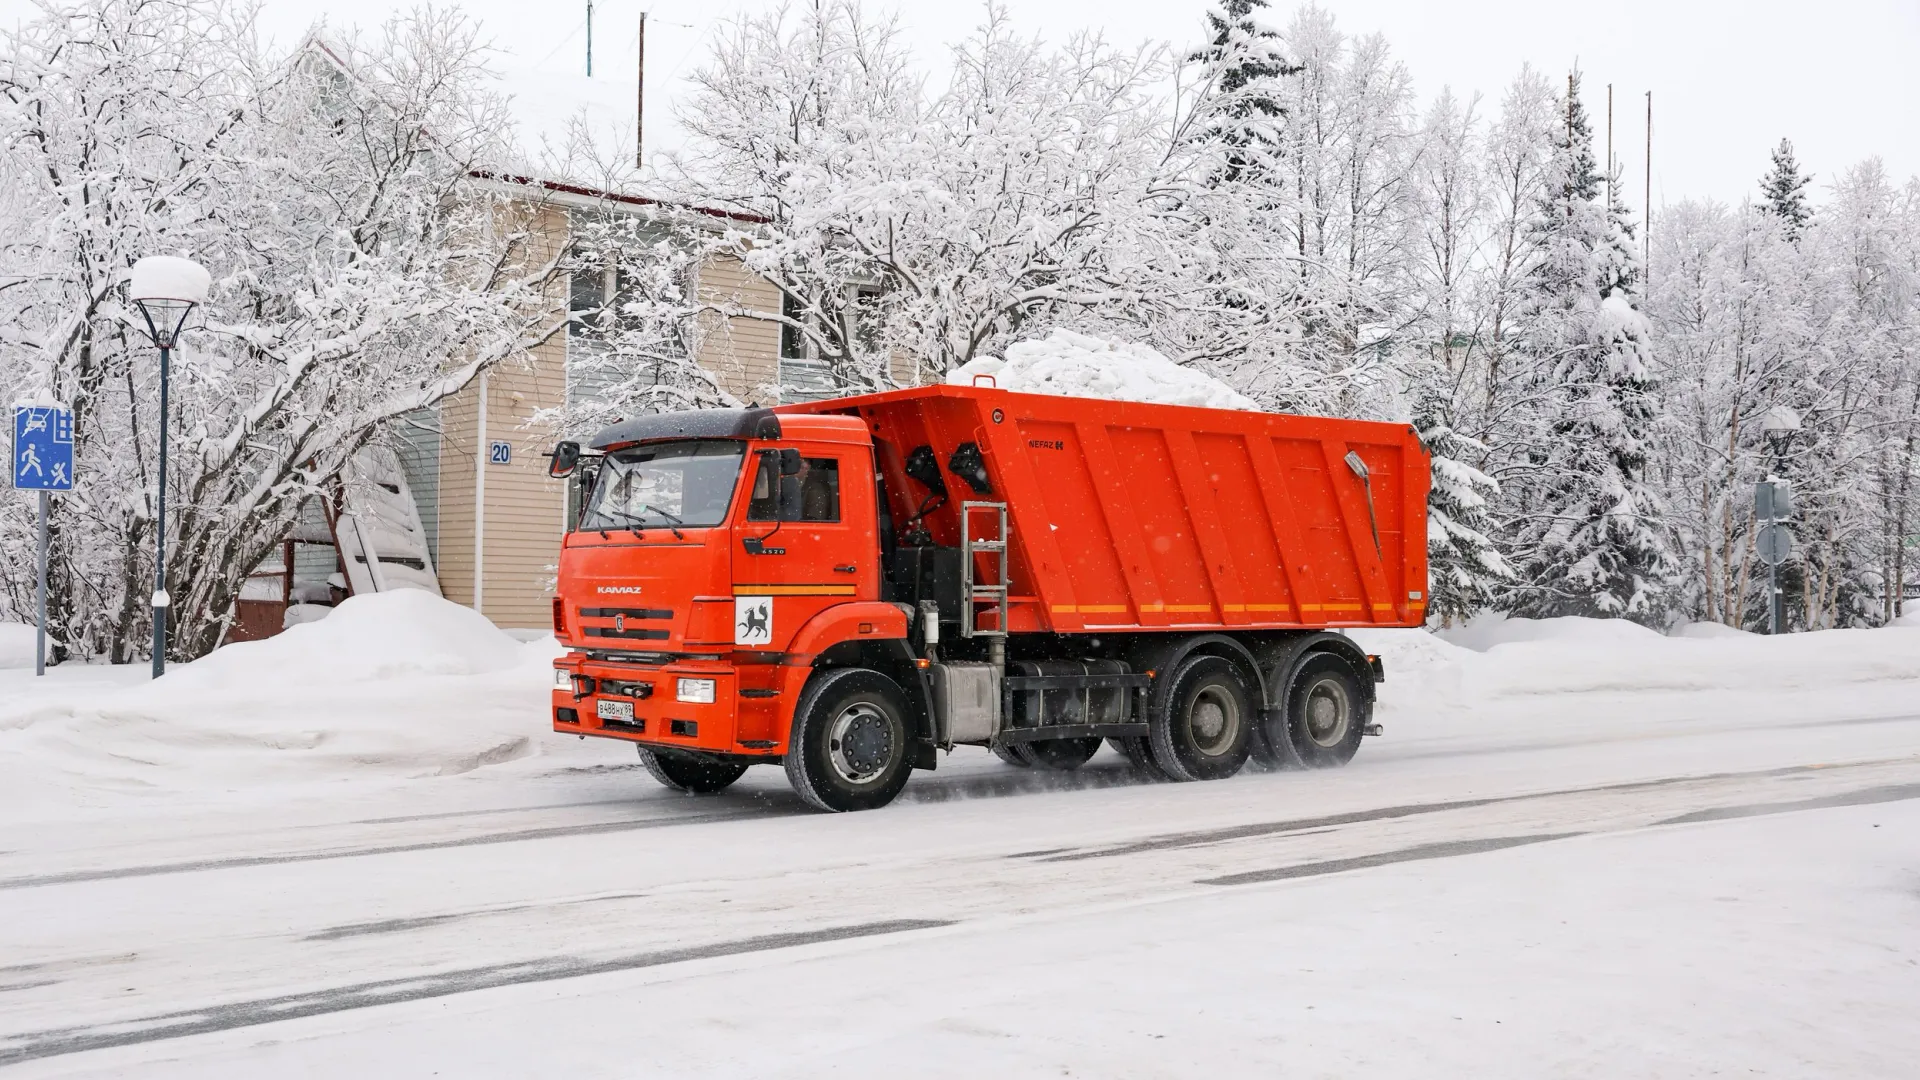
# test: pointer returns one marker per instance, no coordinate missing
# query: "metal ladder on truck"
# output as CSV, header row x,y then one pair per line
x,y
993,596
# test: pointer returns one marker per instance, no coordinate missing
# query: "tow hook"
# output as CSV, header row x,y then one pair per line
x,y
583,687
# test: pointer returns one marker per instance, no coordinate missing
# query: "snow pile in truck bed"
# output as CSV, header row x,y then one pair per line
x,y
395,685
1078,365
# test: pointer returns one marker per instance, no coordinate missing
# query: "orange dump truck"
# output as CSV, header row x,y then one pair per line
x,y
848,587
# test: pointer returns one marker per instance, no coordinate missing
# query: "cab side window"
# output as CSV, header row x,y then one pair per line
x,y
813,495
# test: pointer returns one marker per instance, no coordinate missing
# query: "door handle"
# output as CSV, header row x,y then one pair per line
x,y
845,568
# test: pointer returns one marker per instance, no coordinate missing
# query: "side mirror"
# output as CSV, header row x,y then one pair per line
x,y
564,459
789,462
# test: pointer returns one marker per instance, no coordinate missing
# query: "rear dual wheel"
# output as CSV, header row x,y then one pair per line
x,y
1201,721
1323,715
1063,755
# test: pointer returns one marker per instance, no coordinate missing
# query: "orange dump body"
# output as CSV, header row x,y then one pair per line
x,y
1136,517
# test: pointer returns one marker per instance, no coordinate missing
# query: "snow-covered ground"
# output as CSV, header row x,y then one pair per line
x,y
1580,849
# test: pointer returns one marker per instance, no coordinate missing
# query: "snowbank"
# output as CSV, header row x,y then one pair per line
x,y
389,686
1077,365
369,637
16,645
1487,631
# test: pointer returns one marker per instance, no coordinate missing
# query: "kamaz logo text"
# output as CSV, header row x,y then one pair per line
x,y
631,589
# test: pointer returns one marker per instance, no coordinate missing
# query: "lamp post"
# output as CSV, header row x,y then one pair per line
x,y
1779,425
166,288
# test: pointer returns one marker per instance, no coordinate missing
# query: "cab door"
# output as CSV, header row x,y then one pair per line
x,y
805,540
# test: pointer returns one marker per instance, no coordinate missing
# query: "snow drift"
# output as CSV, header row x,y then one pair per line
x,y
389,686
1078,365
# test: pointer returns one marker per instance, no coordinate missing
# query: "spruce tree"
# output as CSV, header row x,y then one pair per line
x,y
1243,59
1464,568
1783,190
1590,536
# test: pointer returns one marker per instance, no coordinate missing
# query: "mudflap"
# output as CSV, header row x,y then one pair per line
x,y
925,754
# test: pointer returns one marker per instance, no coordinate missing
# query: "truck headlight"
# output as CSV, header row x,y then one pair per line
x,y
562,679
699,691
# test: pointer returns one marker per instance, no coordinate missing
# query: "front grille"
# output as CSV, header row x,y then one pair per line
x,y
631,613
637,634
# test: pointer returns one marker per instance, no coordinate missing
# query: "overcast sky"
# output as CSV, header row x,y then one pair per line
x,y
1730,78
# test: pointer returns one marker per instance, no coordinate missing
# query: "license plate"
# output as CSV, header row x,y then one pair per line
x,y
614,710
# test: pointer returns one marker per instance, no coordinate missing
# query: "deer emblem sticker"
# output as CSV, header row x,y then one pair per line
x,y
753,620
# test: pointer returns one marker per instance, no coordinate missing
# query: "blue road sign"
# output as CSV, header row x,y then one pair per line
x,y
42,448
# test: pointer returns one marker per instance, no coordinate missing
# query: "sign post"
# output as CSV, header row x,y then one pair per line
x,y
42,462
1772,505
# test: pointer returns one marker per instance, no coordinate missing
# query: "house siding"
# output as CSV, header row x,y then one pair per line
x,y
741,351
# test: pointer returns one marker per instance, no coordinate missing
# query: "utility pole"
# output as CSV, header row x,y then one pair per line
x,y
1646,232
1609,147
640,98
589,39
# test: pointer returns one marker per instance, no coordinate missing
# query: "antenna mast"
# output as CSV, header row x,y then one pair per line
x,y
589,39
1609,147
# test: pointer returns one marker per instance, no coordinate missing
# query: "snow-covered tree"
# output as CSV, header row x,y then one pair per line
x,y
1465,569
1783,191
1587,531
361,272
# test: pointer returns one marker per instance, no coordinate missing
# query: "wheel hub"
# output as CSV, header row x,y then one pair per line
x,y
1327,714
1213,720
860,743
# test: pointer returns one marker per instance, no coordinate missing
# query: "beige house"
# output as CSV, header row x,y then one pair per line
x,y
493,518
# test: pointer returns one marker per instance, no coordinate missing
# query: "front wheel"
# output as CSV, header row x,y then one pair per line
x,y
848,749
693,773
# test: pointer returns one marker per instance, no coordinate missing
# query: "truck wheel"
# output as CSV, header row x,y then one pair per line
x,y
695,774
1327,712
849,746
1139,755
1010,753
1201,727
1062,754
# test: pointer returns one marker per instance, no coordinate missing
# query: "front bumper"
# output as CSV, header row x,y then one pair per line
x,y
659,719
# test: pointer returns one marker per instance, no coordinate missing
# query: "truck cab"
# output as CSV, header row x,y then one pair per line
x,y
714,557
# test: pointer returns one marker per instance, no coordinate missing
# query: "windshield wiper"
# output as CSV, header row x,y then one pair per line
x,y
639,524
672,522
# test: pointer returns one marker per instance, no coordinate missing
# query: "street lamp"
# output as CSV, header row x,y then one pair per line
x,y
1779,424
166,288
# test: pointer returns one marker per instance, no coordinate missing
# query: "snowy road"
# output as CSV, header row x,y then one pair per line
x,y
575,915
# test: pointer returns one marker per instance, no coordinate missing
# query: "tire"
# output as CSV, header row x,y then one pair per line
x,y
1139,755
1327,711
1202,720
1064,755
695,774
850,744
1010,753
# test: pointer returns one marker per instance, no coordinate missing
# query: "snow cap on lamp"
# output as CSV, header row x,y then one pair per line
x,y
166,287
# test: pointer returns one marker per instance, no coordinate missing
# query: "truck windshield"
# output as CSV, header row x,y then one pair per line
x,y
681,484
